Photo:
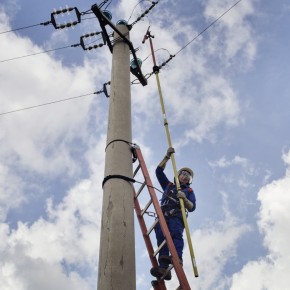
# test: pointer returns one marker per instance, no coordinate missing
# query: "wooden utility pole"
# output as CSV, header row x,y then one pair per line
x,y
117,245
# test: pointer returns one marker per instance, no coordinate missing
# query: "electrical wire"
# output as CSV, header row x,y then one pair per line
x,y
16,29
49,103
148,75
45,23
36,53
135,8
210,25
108,5
156,51
144,13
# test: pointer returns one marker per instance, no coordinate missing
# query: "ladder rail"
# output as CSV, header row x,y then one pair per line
x,y
160,284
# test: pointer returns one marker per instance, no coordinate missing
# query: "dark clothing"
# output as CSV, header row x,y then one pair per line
x,y
170,190
172,213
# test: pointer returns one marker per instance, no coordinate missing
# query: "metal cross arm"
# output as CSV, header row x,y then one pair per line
x,y
103,20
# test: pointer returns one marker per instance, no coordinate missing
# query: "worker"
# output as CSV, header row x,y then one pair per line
x,y
172,213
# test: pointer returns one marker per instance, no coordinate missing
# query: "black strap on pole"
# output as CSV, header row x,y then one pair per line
x,y
117,176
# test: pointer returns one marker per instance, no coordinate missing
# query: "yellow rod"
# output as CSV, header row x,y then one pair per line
x,y
176,178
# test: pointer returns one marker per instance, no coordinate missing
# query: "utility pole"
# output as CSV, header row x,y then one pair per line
x,y
117,245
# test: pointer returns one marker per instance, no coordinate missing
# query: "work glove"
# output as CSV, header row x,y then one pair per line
x,y
181,194
187,203
163,162
170,151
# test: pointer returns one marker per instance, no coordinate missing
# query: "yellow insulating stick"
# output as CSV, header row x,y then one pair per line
x,y
176,178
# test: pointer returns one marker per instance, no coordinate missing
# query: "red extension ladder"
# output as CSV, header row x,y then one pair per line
x,y
153,208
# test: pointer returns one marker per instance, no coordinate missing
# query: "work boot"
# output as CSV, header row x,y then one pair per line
x,y
158,272
164,259
168,260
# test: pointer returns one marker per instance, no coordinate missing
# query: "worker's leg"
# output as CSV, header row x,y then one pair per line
x,y
164,251
176,227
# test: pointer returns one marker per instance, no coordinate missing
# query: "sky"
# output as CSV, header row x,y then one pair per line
x,y
227,101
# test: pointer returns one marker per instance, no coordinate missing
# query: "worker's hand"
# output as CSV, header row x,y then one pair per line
x,y
170,151
181,194
187,203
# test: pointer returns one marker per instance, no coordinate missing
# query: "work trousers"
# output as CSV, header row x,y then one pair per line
x,y
175,227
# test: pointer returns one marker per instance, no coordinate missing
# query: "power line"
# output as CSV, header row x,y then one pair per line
x,y
210,25
36,53
52,21
147,76
49,103
20,28
136,6
75,45
182,48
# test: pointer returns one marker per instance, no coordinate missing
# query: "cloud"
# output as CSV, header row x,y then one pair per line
x,y
64,245
223,162
51,155
233,33
271,271
215,245
196,92
67,141
11,187
46,142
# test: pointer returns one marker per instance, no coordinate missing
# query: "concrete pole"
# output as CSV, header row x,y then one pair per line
x,y
117,246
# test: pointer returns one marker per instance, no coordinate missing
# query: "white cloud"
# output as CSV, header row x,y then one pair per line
x,y
57,141
271,271
11,187
237,38
62,246
214,245
223,162
60,249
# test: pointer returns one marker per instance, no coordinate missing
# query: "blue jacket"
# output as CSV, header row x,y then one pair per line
x,y
169,189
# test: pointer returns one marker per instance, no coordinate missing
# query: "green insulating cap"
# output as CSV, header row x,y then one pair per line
x,y
133,64
122,22
108,14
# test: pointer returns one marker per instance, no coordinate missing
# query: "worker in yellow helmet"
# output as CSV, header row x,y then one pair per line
x,y
171,209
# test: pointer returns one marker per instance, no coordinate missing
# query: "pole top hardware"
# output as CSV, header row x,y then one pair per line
x,y
89,35
105,89
104,21
55,13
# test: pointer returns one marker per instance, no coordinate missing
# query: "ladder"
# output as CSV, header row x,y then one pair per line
x,y
159,283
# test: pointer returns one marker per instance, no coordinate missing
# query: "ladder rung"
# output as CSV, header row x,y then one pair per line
x,y
136,170
152,227
159,248
146,207
141,188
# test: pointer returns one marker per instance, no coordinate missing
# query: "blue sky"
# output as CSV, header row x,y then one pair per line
x,y
227,103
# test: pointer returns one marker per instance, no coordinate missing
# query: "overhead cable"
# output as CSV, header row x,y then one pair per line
x,y
183,47
136,81
20,28
49,103
206,28
36,53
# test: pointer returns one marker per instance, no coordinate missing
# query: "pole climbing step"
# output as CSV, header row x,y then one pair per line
x,y
159,283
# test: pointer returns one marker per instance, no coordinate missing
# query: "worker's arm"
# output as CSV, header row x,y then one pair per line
x,y
163,162
162,178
